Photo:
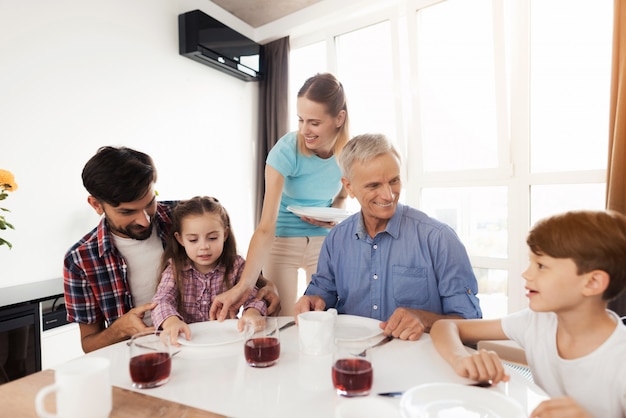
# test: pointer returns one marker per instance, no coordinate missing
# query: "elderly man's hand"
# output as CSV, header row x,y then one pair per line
x,y
308,303
405,324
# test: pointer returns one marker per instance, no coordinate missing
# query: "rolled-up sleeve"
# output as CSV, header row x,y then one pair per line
x,y
259,305
455,277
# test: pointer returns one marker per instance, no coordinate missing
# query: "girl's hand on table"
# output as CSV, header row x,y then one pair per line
x,y
172,328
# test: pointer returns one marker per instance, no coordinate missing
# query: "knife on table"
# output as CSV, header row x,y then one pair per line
x,y
391,394
480,384
287,325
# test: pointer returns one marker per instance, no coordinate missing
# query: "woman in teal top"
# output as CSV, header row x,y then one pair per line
x,y
300,170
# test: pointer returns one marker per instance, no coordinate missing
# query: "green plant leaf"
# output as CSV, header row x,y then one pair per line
x,y
4,224
5,242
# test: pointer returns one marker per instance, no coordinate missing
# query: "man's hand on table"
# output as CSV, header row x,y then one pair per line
x,y
404,324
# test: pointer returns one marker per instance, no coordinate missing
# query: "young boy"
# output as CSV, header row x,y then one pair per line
x,y
575,347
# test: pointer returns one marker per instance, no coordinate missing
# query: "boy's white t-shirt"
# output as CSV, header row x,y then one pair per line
x,y
143,259
596,381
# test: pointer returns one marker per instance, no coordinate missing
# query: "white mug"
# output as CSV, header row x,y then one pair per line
x,y
316,331
83,389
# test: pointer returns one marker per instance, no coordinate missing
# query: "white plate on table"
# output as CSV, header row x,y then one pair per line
x,y
319,213
210,333
356,328
449,400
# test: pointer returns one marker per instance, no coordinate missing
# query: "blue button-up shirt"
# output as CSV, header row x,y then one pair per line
x,y
416,262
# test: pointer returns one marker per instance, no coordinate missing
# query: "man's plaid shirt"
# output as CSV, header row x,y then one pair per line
x,y
96,285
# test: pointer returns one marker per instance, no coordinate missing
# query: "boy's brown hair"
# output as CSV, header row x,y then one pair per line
x,y
594,240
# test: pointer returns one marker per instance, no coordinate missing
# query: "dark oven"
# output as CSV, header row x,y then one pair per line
x,y
20,341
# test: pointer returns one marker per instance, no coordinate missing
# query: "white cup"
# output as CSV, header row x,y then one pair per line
x,y
83,389
316,332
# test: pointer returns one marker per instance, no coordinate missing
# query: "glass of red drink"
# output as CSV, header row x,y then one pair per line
x,y
352,374
150,360
262,342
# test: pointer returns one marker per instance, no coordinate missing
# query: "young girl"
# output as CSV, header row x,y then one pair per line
x,y
200,262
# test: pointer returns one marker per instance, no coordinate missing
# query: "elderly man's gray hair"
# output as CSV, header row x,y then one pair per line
x,y
363,148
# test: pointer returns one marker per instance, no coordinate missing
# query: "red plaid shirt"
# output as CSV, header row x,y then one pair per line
x,y
95,274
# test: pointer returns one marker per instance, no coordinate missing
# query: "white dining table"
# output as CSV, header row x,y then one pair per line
x,y
218,379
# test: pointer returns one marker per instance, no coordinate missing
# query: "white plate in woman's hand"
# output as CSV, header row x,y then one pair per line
x,y
319,213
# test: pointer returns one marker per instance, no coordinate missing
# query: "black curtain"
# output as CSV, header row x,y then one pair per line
x,y
273,108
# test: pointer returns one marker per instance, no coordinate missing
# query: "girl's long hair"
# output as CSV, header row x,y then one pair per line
x,y
175,253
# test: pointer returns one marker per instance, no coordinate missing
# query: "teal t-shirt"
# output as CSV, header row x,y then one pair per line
x,y
309,181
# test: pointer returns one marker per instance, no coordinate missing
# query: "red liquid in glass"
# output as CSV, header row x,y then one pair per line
x,y
150,369
352,377
262,352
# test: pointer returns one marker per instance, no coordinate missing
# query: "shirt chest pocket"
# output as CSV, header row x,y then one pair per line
x,y
410,285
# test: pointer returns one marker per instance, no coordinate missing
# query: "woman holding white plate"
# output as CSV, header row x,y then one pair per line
x,y
300,171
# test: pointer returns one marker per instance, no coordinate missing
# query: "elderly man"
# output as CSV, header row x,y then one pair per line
x,y
389,261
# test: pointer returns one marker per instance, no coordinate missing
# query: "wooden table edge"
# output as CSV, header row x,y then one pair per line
x,y
18,400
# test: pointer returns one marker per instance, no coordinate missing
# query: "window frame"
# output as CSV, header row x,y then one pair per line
x,y
513,130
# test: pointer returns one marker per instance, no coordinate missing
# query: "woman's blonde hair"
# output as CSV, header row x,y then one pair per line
x,y
325,89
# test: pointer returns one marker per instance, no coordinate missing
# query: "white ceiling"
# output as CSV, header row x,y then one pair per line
x,y
261,12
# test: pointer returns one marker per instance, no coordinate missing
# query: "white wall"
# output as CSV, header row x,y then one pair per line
x,y
79,74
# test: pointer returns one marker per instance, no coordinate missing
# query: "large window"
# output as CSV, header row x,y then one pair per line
x,y
500,108
569,85
304,62
457,86
368,78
